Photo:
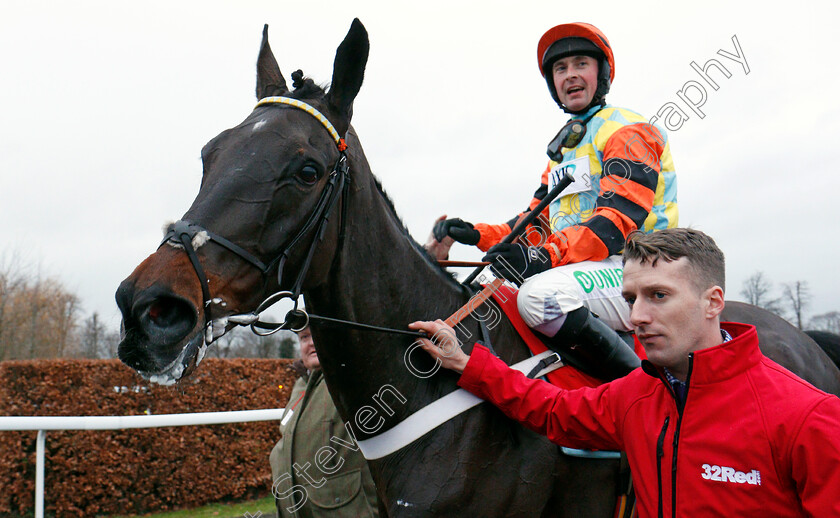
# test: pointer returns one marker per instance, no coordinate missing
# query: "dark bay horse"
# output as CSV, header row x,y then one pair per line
x,y
257,226
829,342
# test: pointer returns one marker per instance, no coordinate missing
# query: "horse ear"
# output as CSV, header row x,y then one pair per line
x,y
269,78
348,73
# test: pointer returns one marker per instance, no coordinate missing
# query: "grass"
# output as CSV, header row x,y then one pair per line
x,y
237,510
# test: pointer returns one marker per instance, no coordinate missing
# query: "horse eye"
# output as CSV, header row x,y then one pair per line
x,y
308,174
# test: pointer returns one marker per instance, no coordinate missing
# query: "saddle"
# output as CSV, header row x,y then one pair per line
x,y
567,377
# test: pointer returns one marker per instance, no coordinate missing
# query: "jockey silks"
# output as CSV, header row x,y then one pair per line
x,y
624,180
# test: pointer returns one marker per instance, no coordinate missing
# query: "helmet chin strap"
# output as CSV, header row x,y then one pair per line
x,y
602,102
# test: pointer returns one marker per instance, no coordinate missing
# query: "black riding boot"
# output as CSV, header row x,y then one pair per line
x,y
594,347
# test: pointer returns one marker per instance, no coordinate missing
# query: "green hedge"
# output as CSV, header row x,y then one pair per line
x,y
139,470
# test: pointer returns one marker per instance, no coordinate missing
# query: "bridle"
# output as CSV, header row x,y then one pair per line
x,y
184,232
416,425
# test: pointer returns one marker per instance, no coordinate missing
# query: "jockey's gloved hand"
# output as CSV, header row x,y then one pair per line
x,y
458,229
516,262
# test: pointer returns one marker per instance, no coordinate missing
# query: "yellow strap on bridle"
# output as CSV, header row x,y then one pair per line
x,y
311,111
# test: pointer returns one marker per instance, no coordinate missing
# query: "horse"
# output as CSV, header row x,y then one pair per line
x,y
828,341
287,205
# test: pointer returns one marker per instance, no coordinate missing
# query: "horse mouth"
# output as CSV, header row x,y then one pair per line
x,y
150,364
186,362
162,336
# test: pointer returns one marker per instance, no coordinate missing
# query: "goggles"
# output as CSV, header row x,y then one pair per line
x,y
569,136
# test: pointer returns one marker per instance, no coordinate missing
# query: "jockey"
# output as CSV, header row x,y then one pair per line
x,y
568,263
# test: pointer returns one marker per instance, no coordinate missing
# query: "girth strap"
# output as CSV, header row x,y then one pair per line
x,y
435,414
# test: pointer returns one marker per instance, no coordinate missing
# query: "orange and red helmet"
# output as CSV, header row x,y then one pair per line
x,y
575,39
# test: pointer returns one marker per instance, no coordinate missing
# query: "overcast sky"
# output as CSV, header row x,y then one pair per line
x,y
104,108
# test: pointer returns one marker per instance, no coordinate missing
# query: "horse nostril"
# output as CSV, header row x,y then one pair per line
x,y
164,312
166,320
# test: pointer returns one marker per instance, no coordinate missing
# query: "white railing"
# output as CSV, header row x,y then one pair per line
x,y
44,423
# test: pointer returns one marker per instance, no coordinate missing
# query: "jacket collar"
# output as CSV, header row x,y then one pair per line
x,y
722,361
588,114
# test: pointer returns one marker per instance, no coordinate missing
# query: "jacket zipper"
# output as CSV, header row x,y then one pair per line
x,y
660,452
674,470
680,409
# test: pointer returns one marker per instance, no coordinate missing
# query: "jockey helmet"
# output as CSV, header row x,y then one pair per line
x,y
576,39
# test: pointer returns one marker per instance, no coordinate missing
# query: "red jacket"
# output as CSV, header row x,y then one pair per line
x,y
752,440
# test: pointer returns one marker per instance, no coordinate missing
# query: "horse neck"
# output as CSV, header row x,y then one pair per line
x,y
381,278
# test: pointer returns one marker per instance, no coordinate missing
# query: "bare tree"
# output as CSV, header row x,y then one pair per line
x,y
757,291
38,315
222,347
67,306
12,282
97,341
242,343
826,322
92,335
798,297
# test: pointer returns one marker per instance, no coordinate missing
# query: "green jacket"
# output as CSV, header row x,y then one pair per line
x,y
313,475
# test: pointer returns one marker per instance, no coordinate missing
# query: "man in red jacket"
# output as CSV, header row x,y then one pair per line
x,y
711,426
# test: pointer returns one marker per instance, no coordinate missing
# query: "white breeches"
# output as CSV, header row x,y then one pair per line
x,y
545,299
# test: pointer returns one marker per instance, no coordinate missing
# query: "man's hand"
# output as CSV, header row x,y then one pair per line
x,y
458,229
439,249
516,262
443,346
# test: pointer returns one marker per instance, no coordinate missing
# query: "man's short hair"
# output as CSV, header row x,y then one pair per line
x,y
703,255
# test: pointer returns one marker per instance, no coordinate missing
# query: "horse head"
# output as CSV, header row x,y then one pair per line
x,y
259,224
